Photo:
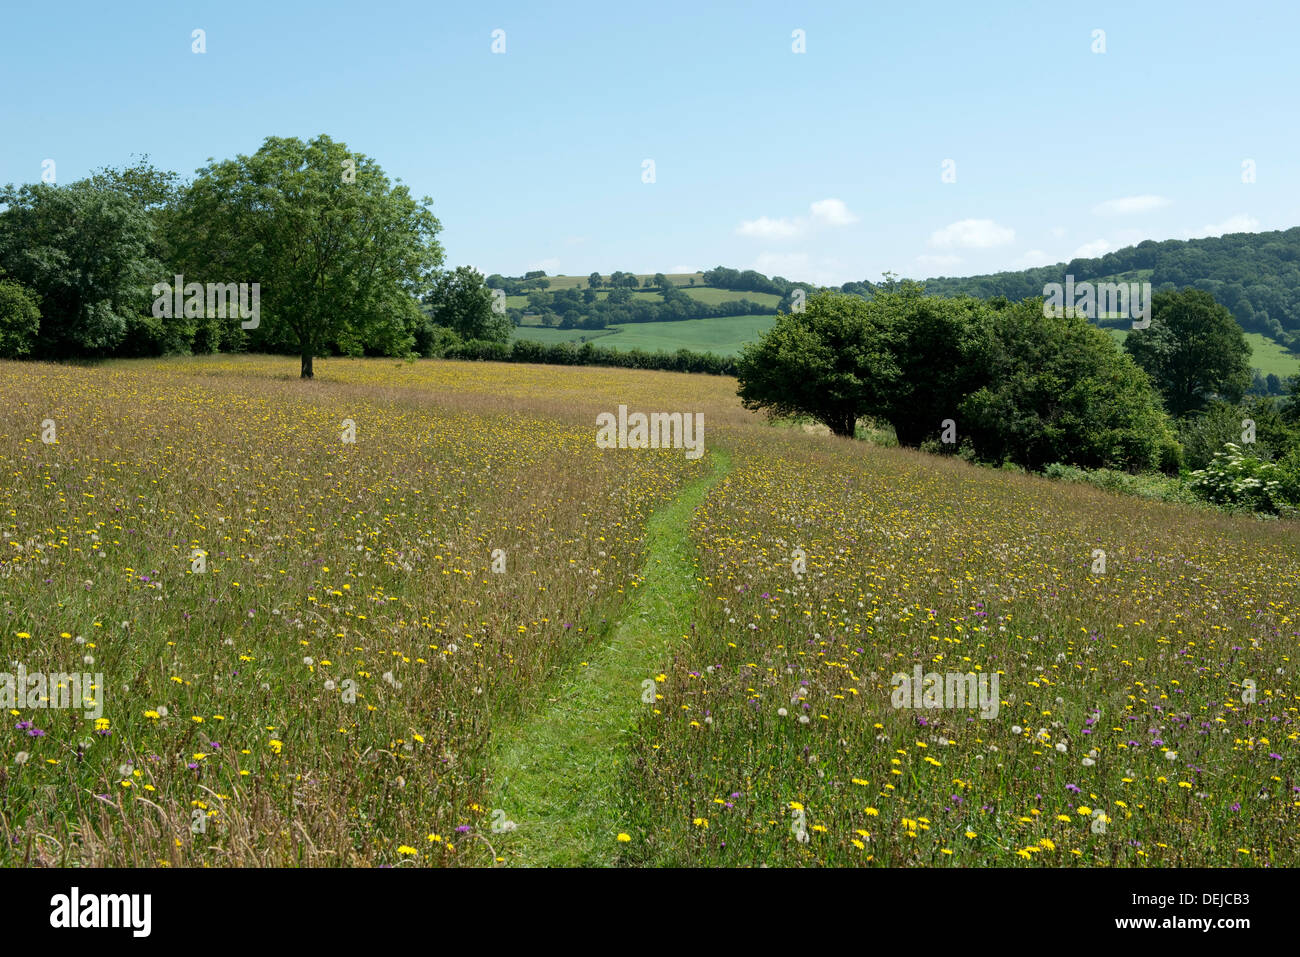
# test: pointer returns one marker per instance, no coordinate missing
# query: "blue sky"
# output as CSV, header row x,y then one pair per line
x,y
824,165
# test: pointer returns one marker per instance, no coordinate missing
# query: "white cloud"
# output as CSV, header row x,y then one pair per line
x,y
1091,250
551,265
767,228
928,260
972,234
1032,258
1128,205
1240,223
825,212
1058,232
833,212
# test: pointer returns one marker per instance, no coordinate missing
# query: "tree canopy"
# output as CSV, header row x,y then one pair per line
x,y
341,253
832,361
1193,351
1017,386
84,251
462,302
1061,390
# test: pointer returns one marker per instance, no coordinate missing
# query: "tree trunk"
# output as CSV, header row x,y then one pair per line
x,y
909,434
306,364
842,423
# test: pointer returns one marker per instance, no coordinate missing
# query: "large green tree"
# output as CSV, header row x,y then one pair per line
x,y
341,254
902,357
462,302
1193,351
933,342
831,361
85,251
1061,390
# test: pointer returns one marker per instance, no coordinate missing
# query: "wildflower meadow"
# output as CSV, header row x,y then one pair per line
x,y
413,614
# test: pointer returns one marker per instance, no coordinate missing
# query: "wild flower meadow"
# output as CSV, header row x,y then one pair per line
x,y
304,640
1148,700
313,604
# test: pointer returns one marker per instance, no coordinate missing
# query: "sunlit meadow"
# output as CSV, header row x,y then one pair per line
x,y
307,642
1123,736
324,688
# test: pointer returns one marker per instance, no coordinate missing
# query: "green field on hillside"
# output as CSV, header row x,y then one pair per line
x,y
1265,354
714,296
722,336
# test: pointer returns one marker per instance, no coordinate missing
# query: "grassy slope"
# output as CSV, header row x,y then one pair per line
x,y
714,296
1267,356
723,336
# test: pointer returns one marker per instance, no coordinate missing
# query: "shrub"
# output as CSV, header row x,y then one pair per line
x,y
1289,480
1148,485
434,342
1170,455
20,320
1204,435
1235,479
570,354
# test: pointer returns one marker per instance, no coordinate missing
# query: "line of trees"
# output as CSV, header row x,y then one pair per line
x,y
1001,382
344,261
340,255
586,354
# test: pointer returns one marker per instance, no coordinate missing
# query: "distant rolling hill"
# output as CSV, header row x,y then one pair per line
x,y
1255,275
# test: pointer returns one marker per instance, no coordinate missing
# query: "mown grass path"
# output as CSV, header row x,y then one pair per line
x,y
555,771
